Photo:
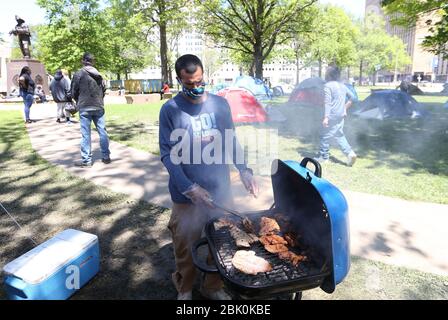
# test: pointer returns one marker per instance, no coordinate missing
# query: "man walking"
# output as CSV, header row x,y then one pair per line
x,y
60,90
192,147
336,106
88,90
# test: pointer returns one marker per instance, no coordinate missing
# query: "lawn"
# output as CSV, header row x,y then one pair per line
x,y
136,251
405,158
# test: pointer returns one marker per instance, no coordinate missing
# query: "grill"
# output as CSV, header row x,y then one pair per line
x,y
284,278
323,239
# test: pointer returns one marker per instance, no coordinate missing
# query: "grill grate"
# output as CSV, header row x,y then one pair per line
x,y
283,271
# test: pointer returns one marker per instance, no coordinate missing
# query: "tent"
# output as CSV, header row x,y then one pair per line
x,y
352,90
309,91
244,106
389,104
254,86
218,87
408,87
277,91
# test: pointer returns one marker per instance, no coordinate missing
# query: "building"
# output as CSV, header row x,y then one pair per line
x,y
425,65
5,55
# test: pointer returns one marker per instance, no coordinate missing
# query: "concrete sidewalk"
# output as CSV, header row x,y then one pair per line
x,y
394,231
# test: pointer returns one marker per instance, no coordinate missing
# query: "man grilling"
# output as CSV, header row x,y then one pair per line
x,y
193,127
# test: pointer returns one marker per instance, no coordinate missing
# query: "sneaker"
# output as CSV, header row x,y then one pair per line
x,y
28,121
215,295
351,159
185,296
58,121
106,160
83,164
69,122
321,160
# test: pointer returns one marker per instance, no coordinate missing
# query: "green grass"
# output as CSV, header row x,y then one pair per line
x,y
135,125
137,258
371,280
45,199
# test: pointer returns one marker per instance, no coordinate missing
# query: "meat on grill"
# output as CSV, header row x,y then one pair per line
x,y
272,239
249,263
222,223
276,248
291,238
241,238
268,226
248,226
295,259
283,220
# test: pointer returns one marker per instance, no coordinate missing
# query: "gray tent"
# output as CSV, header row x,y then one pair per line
x,y
389,104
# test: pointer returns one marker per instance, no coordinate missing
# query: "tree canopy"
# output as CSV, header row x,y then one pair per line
x,y
433,13
251,28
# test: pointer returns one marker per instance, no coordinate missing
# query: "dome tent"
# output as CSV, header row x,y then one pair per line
x,y
244,106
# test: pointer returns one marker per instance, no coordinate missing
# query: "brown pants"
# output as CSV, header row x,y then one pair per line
x,y
186,225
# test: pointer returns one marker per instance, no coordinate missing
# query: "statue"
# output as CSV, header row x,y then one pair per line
x,y
23,32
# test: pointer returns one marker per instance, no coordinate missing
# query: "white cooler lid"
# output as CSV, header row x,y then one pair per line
x,y
41,262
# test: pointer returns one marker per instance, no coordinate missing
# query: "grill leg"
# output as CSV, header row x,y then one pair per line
x,y
296,296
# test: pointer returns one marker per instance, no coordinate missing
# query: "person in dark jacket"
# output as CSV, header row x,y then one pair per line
x,y
27,87
60,90
88,90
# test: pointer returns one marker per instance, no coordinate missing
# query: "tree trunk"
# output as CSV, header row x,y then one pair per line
x,y
170,76
118,76
297,71
252,69
258,59
374,78
320,68
163,51
360,73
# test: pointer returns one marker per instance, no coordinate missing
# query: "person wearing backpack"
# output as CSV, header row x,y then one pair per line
x,y
88,90
26,89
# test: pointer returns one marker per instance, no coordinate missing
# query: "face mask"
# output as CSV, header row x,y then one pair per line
x,y
195,93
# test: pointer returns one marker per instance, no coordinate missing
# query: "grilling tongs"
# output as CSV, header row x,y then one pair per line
x,y
247,224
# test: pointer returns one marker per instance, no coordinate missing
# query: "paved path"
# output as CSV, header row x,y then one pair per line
x,y
394,231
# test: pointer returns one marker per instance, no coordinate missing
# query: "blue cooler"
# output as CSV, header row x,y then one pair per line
x,y
54,270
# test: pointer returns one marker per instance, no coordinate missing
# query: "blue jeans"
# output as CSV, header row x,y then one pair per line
x,y
28,100
334,130
85,119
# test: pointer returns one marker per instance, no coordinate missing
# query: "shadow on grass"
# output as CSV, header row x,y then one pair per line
x,y
135,245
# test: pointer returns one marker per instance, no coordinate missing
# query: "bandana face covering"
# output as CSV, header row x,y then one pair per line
x,y
195,93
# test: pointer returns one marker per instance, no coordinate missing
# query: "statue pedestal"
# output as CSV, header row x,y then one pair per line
x,y
38,73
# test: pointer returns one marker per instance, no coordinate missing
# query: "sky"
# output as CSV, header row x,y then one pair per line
x,y
26,9
355,7
33,14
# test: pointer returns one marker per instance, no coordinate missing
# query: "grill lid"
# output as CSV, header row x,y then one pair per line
x,y
294,183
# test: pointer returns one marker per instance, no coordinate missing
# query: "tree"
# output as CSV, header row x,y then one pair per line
x,y
251,28
212,59
130,50
332,40
434,13
170,18
74,27
376,50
